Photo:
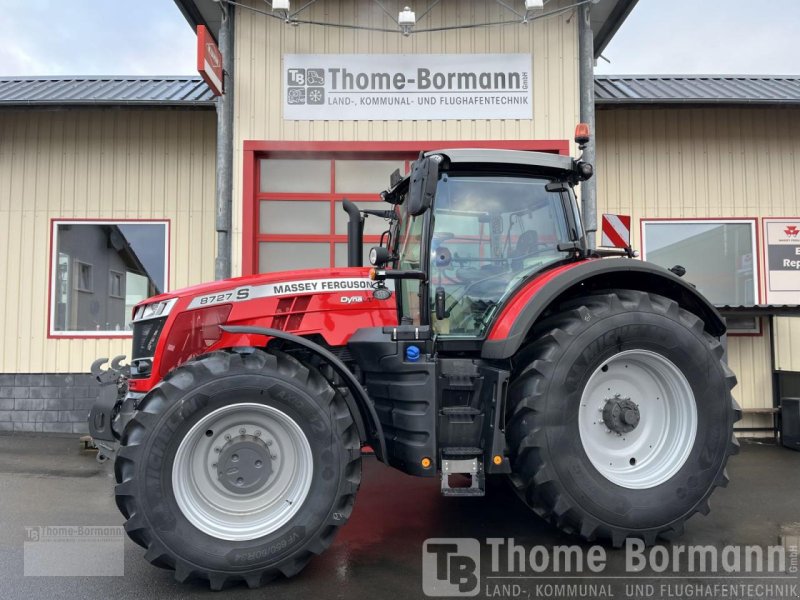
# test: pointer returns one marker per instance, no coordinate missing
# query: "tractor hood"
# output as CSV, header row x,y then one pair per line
x,y
328,305
283,277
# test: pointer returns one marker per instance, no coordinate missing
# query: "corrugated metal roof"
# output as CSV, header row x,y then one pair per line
x,y
115,91
696,89
192,91
787,310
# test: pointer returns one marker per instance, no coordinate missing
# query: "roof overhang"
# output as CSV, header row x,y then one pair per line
x,y
607,16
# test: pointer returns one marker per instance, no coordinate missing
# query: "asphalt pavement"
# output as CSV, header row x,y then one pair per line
x,y
48,480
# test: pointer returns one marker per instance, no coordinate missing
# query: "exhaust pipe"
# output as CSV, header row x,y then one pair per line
x,y
355,235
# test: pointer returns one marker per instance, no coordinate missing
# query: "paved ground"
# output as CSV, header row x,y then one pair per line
x,y
50,481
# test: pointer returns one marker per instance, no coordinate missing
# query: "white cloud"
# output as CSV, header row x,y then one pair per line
x,y
151,37
96,37
706,37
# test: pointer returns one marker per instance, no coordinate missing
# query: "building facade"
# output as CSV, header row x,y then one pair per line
x,y
128,166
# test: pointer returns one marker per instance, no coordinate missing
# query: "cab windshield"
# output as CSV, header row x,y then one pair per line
x,y
487,233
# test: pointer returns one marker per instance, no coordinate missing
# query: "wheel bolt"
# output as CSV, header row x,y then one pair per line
x,y
242,431
217,450
235,458
258,464
273,456
228,437
258,433
269,442
239,481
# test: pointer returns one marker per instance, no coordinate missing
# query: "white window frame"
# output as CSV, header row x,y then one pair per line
x,y
752,221
54,225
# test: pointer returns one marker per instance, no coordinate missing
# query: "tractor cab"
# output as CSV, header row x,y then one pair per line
x,y
471,227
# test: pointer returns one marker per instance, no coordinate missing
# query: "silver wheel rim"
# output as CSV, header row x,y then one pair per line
x,y
646,388
217,480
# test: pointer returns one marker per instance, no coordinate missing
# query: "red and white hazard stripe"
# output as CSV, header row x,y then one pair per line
x,y
616,231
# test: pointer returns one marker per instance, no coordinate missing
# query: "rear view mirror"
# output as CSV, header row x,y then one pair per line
x,y
422,185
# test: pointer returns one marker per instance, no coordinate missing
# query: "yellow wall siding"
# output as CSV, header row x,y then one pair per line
x,y
706,162
262,41
698,162
749,358
787,344
119,163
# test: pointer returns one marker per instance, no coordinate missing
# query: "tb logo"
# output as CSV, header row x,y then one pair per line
x,y
297,76
451,567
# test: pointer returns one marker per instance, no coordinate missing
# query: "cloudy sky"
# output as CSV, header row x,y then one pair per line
x,y
150,37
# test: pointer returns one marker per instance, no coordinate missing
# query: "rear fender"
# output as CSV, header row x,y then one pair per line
x,y
361,408
515,321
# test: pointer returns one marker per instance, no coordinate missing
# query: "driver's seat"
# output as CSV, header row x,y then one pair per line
x,y
527,243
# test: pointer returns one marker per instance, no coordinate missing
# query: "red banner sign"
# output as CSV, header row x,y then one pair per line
x,y
209,60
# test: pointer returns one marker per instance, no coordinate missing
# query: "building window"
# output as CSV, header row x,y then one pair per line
x,y
719,255
116,284
100,270
83,277
742,324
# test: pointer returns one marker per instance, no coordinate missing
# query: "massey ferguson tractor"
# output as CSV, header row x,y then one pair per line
x,y
486,340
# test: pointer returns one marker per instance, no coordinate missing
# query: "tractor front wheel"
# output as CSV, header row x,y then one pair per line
x,y
238,467
621,417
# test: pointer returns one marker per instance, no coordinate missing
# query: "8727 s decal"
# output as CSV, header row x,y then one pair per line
x,y
239,294
285,288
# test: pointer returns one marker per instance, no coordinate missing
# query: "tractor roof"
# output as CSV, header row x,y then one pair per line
x,y
506,157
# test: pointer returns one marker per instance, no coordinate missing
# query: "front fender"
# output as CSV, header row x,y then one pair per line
x,y
361,407
574,279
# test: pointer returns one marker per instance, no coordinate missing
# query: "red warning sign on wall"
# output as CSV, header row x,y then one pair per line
x,y
616,231
209,60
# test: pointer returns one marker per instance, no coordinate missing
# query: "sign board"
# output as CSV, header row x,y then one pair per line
x,y
209,60
616,231
782,260
410,87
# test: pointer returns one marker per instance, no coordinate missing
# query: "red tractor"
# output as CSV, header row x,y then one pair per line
x,y
487,340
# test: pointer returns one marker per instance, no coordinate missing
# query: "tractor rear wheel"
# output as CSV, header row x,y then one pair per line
x,y
621,417
238,467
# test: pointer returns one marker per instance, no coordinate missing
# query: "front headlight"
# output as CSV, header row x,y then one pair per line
x,y
154,310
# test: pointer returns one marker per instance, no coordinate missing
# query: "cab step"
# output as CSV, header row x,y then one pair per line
x,y
468,467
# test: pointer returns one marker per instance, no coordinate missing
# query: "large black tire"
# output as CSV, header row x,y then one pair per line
x,y
144,491
551,469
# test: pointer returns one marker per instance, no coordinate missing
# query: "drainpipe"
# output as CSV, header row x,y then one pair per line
x,y
586,82
224,197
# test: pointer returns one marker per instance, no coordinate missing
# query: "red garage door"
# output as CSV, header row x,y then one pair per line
x,y
293,192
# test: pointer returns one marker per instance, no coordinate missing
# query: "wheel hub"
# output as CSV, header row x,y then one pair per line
x,y
242,471
642,444
244,464
620,414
